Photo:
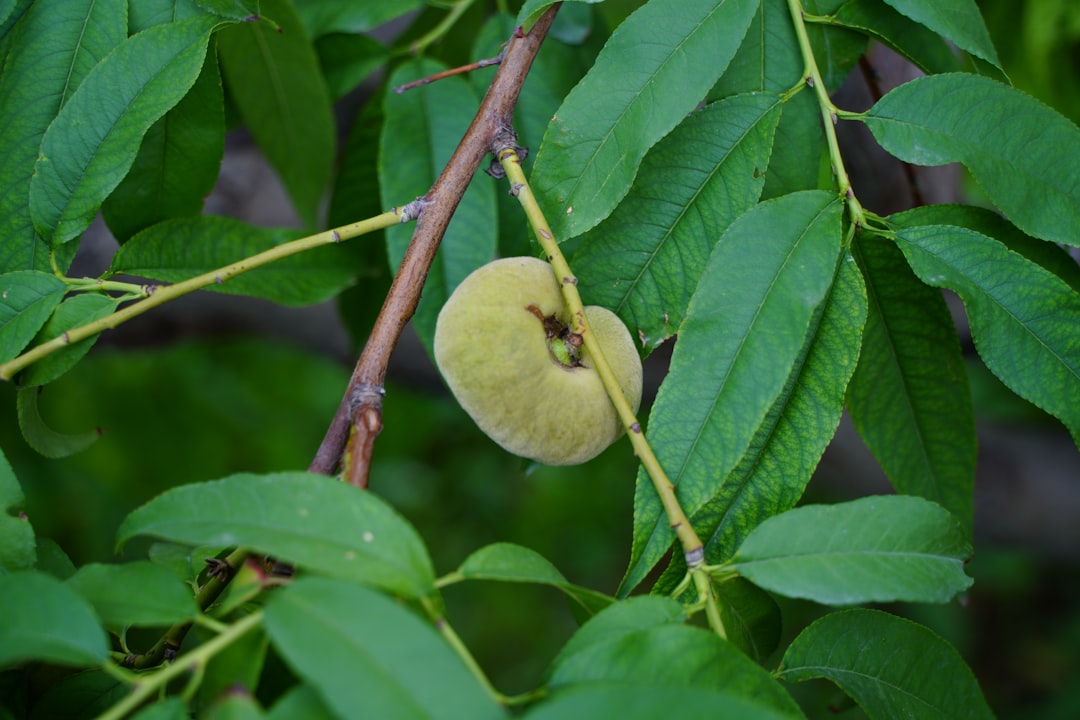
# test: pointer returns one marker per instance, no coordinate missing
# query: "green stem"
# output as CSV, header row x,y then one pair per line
x,y
691,544
705,591
462,651
829,112
166,293
442,28
146,685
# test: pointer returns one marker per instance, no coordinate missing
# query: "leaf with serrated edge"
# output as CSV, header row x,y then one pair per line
x,y
1023,318
645,260
57,43
656,67
744,330
893,668
876,549
1011,143
82,161
909,397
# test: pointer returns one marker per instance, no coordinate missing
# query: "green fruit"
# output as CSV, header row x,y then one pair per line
x,y
502,343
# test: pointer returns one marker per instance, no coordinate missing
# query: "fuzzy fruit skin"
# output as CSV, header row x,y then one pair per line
x,y
493,353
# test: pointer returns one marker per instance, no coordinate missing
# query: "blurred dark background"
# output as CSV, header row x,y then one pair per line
x,y
210,385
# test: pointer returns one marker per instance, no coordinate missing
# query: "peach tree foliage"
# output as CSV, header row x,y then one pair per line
x,y
684,154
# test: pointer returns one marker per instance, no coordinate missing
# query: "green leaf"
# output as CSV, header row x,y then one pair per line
x,y
183,248
625,617
17,550
367,655
233,706
313,521
771,476
27,298
1023,318
274,79
506,562
302,701
1051,256
645,260
178,161
744,331
644,702
348,16
345,60
666,654
137,593
1011,143
53,47
922,46
875,549
82,694
751,617
45,620
421,131
52,560
40,436
237,667
91,145
656,67
958,21
836,49
893,668
531,11
909,397
171,708
74,312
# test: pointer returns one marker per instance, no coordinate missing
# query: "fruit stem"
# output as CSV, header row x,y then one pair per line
x,y
691,544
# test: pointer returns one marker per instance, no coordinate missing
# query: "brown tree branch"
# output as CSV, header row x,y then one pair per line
x,y
359,417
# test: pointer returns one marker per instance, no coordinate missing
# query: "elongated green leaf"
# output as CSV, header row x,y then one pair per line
x,y
345,60
369,656
644,702
1011,143
771,476
645,260
43,619
137,593
893,668
53,47
40,436
275,81
27,298
909,398
744,331
184,248
1051,256
178,161
79,165
875,549
626,617
656,67
73,312
16,534
421,131
311,520
922,46
241,10
1023,318
666,654
506,562
958,21
234,706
